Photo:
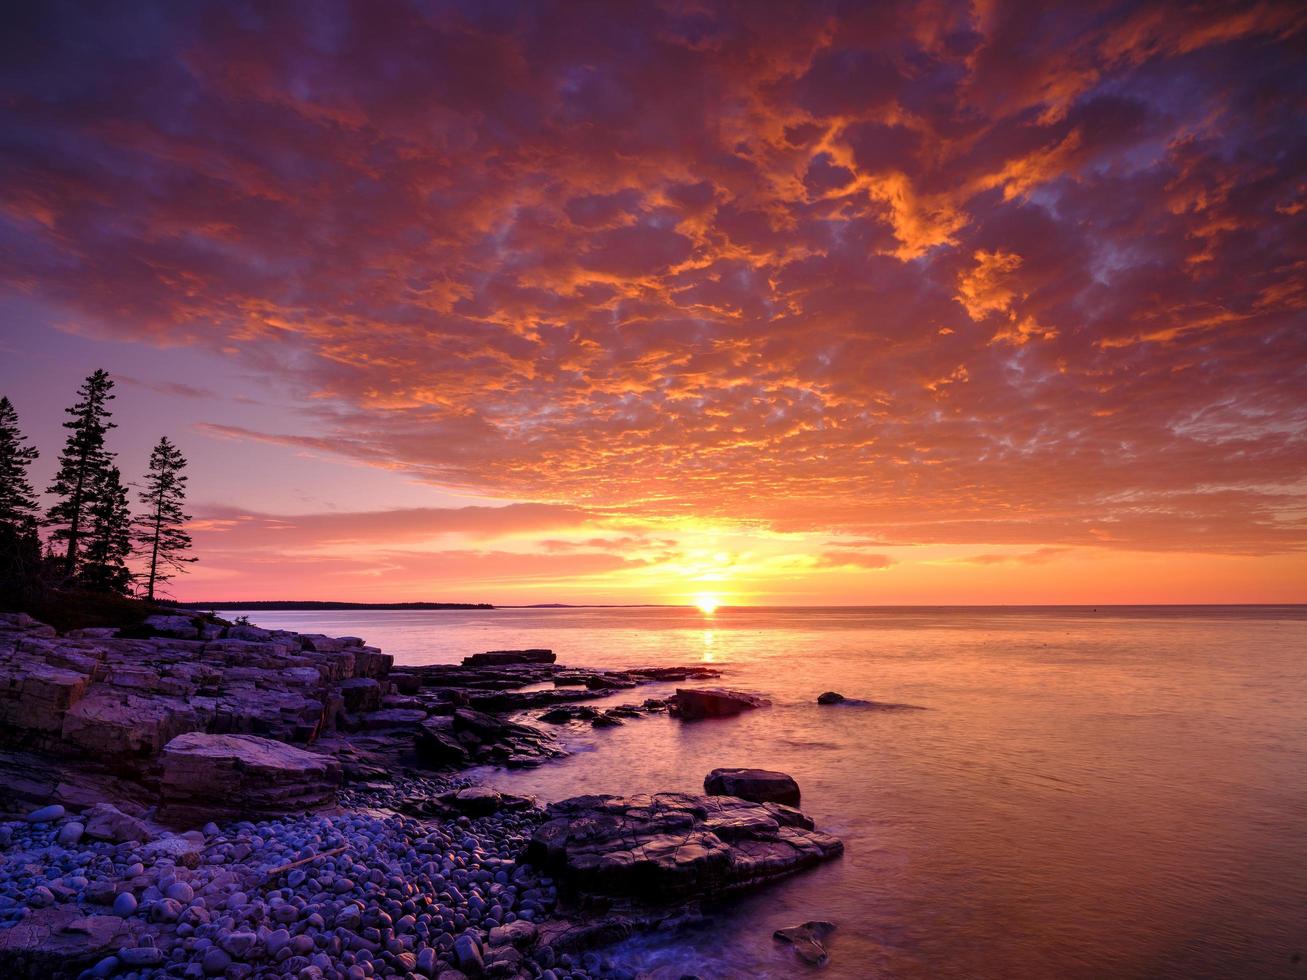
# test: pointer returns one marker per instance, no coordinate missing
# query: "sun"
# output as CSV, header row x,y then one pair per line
x,y
707,604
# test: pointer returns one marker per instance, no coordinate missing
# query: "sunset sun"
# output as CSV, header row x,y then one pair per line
x,y
707,603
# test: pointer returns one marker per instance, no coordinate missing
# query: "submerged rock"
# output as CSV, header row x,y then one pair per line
x,y
715,702
755,785
832,697
672,847
806,940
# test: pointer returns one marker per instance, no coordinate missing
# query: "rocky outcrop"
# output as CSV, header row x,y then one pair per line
x,y
120,700
243,775
672,847
755,785
714,702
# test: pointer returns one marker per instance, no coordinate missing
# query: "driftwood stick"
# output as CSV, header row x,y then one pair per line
x,y
312,857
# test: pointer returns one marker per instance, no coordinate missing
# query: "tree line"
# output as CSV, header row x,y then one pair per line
x,y
91,534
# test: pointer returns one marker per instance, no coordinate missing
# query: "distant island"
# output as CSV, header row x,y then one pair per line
x,y
287,604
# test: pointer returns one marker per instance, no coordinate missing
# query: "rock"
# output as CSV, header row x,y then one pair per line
x,y
47,814
57,941
361,694
207,775
467,953
177,627
215,961
124,905
71,832
806,940
715,702
475,801
520,933
673,846
394,718
831,697
104,821
501,657
756,785
238,944
436,745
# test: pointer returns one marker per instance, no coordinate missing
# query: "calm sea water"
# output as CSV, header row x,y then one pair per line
x,y
1093,793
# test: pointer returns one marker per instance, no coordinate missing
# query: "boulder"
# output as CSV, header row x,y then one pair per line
x,y
475,801
104,821
58,942
177,627
806,940
360,694
715,702
501,657
755,785
209,775
673,847
830,697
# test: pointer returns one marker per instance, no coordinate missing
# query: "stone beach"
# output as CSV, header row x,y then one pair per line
x,y
207,800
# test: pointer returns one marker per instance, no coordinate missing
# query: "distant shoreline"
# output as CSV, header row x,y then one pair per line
x,y
309,604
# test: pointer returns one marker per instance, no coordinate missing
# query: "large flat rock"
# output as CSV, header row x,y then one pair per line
x,y
243,775
672,847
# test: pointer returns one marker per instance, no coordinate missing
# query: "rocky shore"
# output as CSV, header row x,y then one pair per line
x,y
200,799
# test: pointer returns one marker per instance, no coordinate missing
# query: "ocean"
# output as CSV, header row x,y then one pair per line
x,y
1091,792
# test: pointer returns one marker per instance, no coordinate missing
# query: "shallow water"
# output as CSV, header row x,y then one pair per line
x,y
1112,792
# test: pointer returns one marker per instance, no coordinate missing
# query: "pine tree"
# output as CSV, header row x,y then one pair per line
x,y
108,536
17,498
161,536
20,545
82,465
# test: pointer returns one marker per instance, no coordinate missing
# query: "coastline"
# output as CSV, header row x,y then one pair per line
x,y
222,800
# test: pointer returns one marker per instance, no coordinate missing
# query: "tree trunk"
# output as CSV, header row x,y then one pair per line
x,y
75,523
154,548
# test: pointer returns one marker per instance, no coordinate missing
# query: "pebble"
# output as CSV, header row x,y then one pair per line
x,y
71,832
405,897
46,814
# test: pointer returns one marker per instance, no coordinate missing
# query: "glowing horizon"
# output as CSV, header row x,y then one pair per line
x,y
707,305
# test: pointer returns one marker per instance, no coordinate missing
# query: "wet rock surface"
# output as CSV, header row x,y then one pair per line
x,y
755,785
714,702
833,697
806,940
671,847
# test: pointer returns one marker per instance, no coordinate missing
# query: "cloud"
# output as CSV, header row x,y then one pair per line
x,y
933,274
853,559
1039,556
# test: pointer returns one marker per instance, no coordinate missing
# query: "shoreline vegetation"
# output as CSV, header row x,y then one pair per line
x,y
216,799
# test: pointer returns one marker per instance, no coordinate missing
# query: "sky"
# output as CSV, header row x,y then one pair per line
x,y
774,303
